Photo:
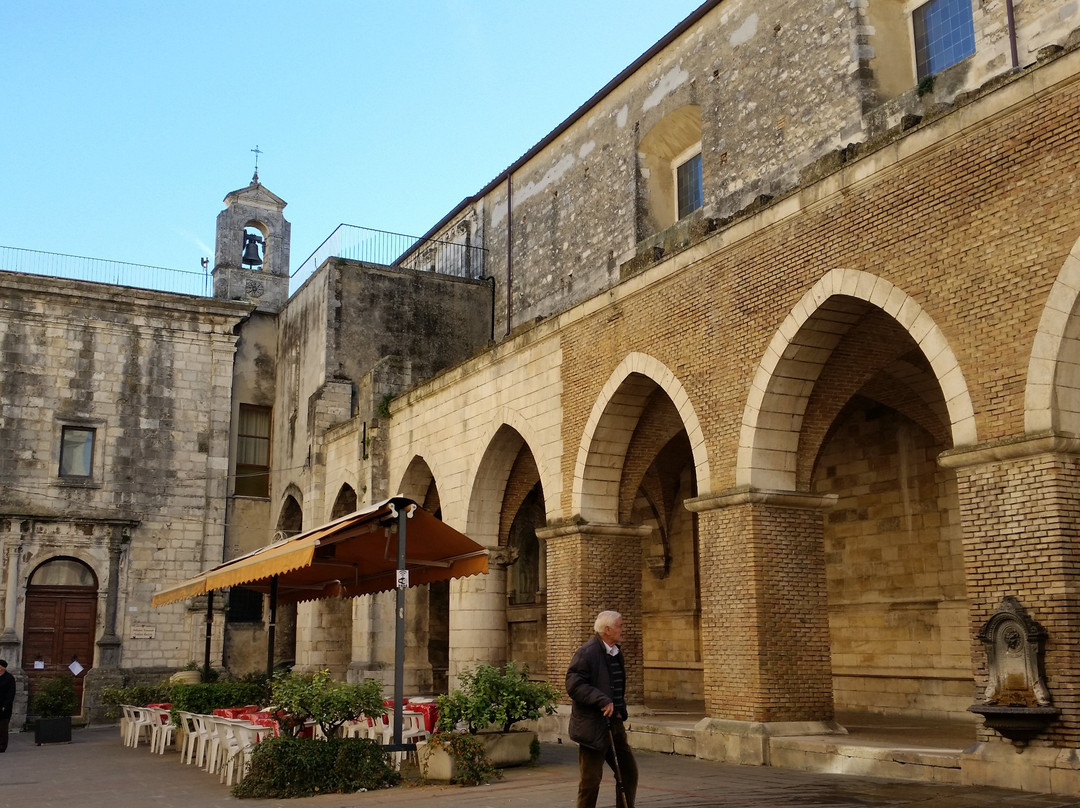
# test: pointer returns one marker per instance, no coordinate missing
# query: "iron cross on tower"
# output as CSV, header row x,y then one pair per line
x,y
257,152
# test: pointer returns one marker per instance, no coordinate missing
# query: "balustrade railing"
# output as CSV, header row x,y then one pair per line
x,y
98,270
394,249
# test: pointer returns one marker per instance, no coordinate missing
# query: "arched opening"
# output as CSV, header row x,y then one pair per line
x,y
61,614
290,522
657,479
642,457
855,408
345,502
429,606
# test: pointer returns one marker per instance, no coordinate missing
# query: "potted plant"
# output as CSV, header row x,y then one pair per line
x,y
190,674
488,705
52,706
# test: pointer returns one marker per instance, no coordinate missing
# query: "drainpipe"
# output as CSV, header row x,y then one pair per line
x,y
1012,33
509,249
492,279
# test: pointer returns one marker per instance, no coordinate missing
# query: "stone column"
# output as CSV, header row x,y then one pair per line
x,y
9,640
373,638
764,621
109,644
478,617
1020,521
593,568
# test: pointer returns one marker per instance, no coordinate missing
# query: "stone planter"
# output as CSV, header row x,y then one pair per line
x,y
186,677
505,749
52,730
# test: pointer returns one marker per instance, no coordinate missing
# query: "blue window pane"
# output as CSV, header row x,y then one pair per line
x,y
944,35
688,177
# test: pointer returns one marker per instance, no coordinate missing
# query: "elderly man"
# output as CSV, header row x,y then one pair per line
x,y
7,702
596,682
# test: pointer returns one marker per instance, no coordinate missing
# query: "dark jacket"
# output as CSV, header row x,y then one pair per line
x,y
7,694
589,686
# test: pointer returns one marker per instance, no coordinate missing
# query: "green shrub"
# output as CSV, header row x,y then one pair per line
x,y
472,766
318,698
138,695
490,696
55,698
205,698
286,767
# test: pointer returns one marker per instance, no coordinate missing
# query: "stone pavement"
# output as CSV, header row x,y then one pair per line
x,y
96,771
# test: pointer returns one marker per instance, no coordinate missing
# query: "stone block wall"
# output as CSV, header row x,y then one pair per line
x,y
152,374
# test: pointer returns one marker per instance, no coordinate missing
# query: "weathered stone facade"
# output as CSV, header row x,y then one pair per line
x,y
149,374
806,437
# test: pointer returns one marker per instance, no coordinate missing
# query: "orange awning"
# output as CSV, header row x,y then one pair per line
x,y
354,555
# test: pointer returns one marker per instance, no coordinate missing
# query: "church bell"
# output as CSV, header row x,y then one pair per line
x,y
251,250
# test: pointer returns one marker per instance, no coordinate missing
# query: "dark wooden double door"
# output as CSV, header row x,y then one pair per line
x,y
59,628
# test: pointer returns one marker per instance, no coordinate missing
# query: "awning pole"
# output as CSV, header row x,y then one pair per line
x,y
209,633
399,636
273,626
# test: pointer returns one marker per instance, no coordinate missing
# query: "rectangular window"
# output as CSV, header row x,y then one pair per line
x,y
944,35
77,452
688,183
245,605
253,452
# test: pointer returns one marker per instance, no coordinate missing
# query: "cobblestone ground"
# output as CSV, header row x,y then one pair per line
x,y
97,771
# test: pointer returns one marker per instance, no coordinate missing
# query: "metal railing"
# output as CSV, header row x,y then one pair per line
x,y
98,270
396,250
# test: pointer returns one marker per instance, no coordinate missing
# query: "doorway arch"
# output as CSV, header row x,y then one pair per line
x,y
60,622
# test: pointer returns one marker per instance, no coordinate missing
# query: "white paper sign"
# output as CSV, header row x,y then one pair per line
x,y
402,579
75,667
39,665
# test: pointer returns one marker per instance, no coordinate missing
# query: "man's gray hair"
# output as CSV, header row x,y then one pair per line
x,y
605,620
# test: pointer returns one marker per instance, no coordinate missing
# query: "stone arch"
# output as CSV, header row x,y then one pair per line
x,y
418,482
550,473
344,503
489,484
1053,377
610,427
800,349
290,519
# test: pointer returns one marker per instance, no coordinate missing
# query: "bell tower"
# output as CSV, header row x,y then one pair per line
x,y
251,256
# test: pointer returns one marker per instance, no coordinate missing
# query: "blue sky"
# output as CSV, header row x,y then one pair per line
x,y
126,123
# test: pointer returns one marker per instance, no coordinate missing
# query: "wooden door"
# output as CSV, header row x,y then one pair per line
x,y
59,628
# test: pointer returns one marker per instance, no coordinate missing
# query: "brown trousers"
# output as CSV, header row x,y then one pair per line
x,y
591,768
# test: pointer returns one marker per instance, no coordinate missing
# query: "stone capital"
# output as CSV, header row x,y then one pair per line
x,y
1015,448
593,529
796,500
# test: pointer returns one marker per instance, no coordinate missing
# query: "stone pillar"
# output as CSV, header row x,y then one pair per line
x,y
764,621
322,636
373,638
593,568
418,677
109,644
478,617
1020,521
10,636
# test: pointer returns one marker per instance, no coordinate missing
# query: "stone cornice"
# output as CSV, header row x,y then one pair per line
x,y
798,500
587,529
1003,451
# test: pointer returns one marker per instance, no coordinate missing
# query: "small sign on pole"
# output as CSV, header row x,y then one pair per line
x,y
402,579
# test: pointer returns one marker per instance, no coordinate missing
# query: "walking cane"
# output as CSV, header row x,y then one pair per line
x,y
620,794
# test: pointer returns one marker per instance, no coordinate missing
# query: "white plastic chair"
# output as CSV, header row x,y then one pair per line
x,y
162,731
191,736
244,735
204,738
141,719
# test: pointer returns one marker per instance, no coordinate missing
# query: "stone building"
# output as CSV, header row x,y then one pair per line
x,y
778,357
